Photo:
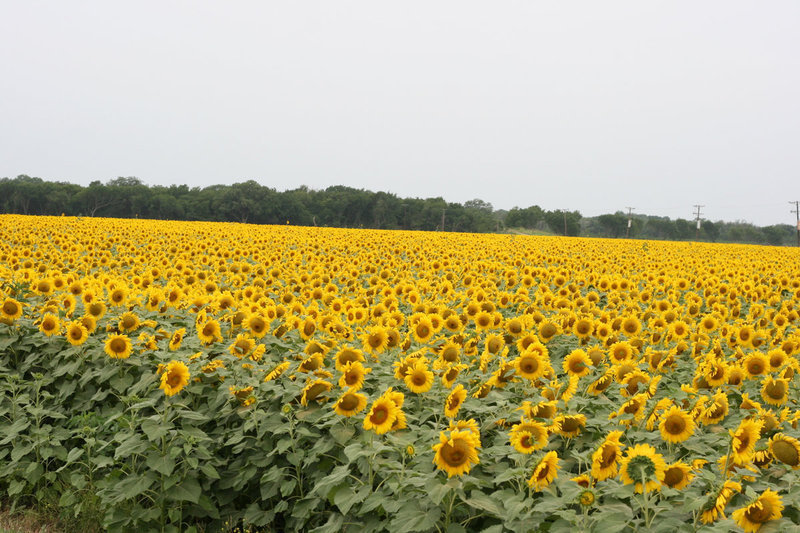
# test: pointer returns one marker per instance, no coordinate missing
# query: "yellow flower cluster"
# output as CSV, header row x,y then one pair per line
x,y
604,339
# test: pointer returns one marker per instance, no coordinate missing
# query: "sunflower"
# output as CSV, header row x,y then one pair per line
x,y
755,364
96,309
422,330
547,330
375,340
599,385
209,332
582,328
677,475
353,376
450,374
744,440
676,425
174,378
454,401
494,343
766,507
89,323
569,425
528,436
545,472
631,326
11,309
775,391
762,458
118,296
785,449
449,352
530,365
620,352
347,355
128,322
118,346
314,389
307,328
718,409
514,326
257,324
277,371
456,452
708,324
483,321
418,378
642,464
241,346
583,480
50,325
76,333
605,459
381,416
715,507
176,339
777,358
577,363
350,403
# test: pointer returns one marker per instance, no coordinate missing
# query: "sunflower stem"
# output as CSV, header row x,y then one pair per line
x,y
449,508
645,501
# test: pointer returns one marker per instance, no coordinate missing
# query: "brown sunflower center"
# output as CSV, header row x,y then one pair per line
x,y
419,379
118,346
375,340
609,456
379,415
455,454
450,354
675,425
673,477
547,331
759,512
348,402
785,453
529,365
775,390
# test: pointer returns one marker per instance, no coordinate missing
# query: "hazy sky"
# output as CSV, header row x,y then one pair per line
x,y
592,106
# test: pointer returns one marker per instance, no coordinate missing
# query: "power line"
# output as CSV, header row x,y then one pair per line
x,y
697,219
628,229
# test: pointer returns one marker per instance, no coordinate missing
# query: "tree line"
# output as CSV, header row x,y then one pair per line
x,y
341,206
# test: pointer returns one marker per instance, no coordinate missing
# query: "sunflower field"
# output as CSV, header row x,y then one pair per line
x,y
190,376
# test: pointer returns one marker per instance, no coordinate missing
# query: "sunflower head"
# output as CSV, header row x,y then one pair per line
x,y
456,452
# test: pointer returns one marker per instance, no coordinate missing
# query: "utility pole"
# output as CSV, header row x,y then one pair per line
x,y
628,229
796,211
697,219
565,222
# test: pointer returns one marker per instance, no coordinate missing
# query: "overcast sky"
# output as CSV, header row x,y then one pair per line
x,y
592,106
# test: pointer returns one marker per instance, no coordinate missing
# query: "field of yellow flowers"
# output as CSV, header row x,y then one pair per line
x,y
188,376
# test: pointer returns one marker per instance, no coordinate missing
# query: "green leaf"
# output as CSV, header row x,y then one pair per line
x,y
20,450
187,490
73,454
342,434
479,500
163,464
154,429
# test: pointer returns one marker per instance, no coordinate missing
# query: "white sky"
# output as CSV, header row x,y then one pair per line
x,y
592,106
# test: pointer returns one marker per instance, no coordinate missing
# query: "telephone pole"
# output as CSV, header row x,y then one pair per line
x,y
628,229
565,222
697,219
796,211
